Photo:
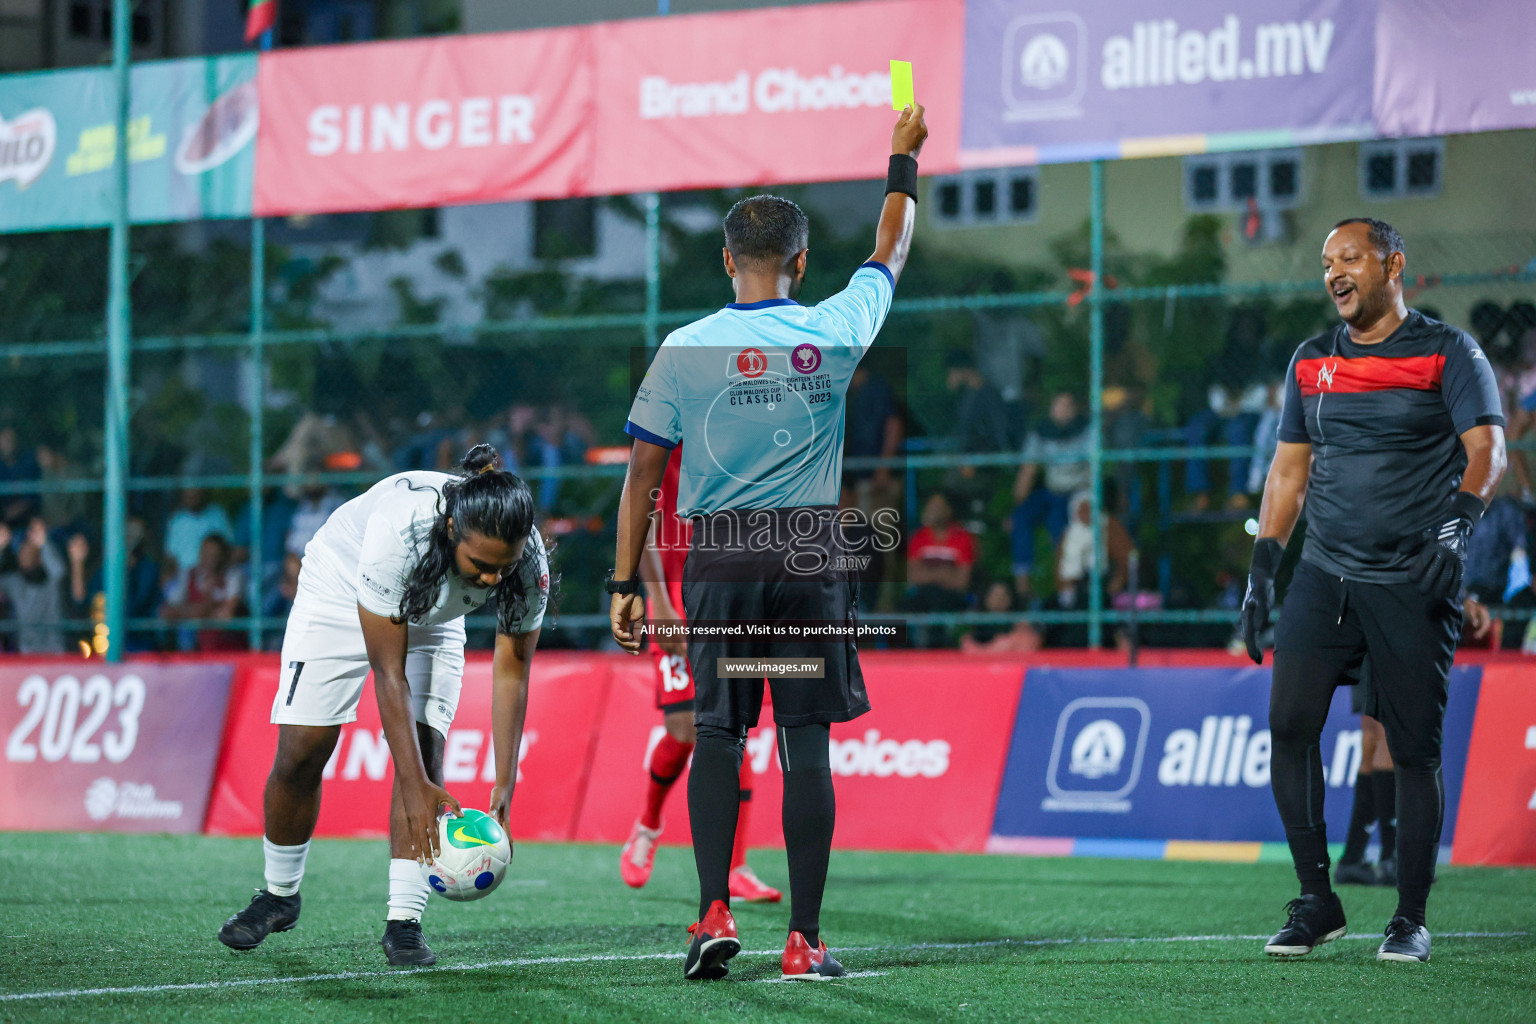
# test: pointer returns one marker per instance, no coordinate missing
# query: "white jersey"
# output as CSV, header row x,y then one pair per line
x,y
365,552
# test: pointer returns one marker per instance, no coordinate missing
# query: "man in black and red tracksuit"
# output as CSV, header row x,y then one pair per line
x,y
1393,436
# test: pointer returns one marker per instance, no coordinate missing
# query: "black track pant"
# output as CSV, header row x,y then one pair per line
x,y
1326,627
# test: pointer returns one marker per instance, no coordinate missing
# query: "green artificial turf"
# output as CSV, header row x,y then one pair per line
x,y
935,937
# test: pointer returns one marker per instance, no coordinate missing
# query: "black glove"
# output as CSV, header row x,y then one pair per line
x,y
1261,594
1441,560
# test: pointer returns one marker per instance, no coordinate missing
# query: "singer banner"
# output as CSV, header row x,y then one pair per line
x,y
427,122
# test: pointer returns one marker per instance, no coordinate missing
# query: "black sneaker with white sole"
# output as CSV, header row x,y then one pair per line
x,y
1406,942
264,915
404,945
1311,921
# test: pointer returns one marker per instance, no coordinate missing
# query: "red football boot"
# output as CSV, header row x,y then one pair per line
x,y
714,942
747,887
802,963
638,856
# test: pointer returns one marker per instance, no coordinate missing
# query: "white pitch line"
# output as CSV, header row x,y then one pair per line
x,y
540,961
850,974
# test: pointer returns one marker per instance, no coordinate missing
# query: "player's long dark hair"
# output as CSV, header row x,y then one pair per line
x,y
487,500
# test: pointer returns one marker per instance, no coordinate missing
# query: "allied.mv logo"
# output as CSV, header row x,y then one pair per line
x,y
1045,62
1097,753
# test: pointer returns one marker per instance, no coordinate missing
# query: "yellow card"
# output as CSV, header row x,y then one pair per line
x,y
902,95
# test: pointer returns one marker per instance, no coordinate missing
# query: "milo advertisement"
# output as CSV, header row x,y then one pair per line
x,y
191,152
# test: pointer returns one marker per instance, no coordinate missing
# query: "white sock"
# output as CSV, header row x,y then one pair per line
x,y
285,866
408,891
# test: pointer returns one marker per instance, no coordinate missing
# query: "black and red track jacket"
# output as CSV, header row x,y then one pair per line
x,y
1385,424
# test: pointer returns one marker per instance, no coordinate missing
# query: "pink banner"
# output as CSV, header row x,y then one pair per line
x,y
429,122
793,94
109,748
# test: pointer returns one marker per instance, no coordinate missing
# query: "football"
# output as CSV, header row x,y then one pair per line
x,y
473,855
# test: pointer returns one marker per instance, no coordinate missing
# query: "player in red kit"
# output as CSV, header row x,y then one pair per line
x,y
662,567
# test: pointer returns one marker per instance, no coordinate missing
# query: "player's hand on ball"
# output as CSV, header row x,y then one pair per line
x,y
501,805
911,131
623,613
422,802
1260,597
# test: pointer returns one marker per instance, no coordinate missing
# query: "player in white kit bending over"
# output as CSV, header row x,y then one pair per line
x,y
385,585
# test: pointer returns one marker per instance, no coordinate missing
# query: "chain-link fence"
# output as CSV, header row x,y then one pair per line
x,y
395,341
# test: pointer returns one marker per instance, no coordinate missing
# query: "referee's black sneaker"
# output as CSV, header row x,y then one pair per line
x,y
1312,921
714,942
1406,941
264,915
1357,873
404,946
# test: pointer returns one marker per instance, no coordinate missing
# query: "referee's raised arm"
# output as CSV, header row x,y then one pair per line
x,y
893,236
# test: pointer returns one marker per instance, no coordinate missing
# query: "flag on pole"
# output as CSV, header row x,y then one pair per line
x,y
260,15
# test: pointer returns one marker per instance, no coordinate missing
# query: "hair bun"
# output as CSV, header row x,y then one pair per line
x,y
481,459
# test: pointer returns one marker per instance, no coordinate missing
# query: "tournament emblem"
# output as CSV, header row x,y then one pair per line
x,y
807,358
751,362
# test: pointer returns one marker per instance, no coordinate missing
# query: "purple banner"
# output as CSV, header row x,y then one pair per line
x,y
109,748
1459,67
1110,78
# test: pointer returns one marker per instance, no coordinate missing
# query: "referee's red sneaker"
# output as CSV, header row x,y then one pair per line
x,y
747,887
802,963
714,942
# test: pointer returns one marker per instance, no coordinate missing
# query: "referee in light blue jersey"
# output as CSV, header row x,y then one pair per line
x,y
757,391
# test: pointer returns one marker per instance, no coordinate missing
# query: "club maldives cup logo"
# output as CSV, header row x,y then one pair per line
x,y
751,363
26,146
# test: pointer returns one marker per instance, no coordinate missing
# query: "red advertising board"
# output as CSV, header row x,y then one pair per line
x,y
459,119
565,697
761,97
1497,820
919,772
120,748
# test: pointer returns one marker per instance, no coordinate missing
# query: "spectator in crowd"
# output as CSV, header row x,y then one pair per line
x,y
940,557
1061,443
872,429
1490,552
193,521
1077,557
1125,426
862,540
145,587
1020,637
1266,438
1228,418
65,511
277,510
277,601
316,503
17,467
32,578
213,588
981,415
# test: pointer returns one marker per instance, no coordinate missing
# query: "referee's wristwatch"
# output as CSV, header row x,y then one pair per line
x,y
613,586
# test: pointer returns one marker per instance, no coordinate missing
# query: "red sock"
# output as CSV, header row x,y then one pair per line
x,y
739,852
668,760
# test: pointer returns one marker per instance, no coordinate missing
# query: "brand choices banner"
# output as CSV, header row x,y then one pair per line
x,y
760,97
190,129
1498,812
121,748
1179,754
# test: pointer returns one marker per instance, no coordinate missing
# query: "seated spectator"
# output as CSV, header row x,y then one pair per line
x,y
214,588
1063,439
1076,560
1266,438
872,429
1228,419
17,467
277,511
1018,638
32,577
940,557
145,591
191,523
981,415
1489,552
65,511
316,503
277,601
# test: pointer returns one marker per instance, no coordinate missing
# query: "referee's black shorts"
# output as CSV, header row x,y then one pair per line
x,y
772,565
1330,625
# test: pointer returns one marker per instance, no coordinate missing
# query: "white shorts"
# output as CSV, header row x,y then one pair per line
x,y
324,665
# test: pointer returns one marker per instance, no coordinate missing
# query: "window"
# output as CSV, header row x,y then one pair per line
x,y
1222,182
1401,168
564,228
80,20
987,197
